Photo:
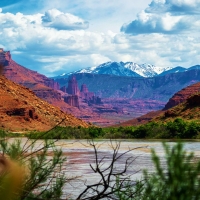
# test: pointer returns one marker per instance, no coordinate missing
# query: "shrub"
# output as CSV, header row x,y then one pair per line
x,y
41,176
177,180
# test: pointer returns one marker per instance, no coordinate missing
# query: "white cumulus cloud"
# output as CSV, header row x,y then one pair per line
x,y
63,21
165,16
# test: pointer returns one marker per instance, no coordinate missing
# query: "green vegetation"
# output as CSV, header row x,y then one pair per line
x,y
27,172
69,133
177,129
178,180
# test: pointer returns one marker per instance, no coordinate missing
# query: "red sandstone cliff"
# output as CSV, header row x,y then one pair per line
x,y
182,95
22,75
42,86
21,110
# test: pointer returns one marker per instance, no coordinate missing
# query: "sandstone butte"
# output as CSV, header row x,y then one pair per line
x,y
185,103
22,110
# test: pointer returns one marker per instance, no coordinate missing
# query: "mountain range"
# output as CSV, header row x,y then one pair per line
x,y
130,69
159,88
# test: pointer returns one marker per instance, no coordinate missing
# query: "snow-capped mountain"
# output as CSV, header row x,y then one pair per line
x,y
112,68
124,69
179,69
130,69
145,70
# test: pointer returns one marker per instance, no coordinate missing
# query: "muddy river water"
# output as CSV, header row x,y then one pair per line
x,y
80,155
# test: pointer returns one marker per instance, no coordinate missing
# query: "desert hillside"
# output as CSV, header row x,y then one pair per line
x,y
188,110
182,95
21,109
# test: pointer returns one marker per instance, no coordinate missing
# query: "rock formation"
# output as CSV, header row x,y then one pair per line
x,y
64,89
22,110
5,57
72,100
42,86
74,96
182,95
187,110
89,97
22,75
84,88
73,86
94,100
52,84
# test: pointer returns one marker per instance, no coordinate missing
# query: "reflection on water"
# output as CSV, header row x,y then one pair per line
x,y
80,155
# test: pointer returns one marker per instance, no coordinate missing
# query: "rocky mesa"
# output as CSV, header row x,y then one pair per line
x,y
70,98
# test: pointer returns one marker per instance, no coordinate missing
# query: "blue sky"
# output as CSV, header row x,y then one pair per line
x,y
53,37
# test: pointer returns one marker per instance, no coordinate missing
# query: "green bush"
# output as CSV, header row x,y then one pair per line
x,y
27,172
176,129
178,179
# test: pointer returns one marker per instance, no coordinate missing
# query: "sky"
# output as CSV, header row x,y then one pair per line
x,y
61,36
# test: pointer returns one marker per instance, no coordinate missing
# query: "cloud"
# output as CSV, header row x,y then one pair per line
x,y
154,23
63,21
181,7
166,17
41,47
53,51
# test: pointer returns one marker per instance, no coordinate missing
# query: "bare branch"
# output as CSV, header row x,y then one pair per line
x,y
106,187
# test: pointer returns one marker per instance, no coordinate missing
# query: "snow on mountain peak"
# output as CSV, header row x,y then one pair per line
x,y
125,69
145,70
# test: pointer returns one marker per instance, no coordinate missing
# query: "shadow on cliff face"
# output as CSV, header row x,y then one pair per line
x,y
1,69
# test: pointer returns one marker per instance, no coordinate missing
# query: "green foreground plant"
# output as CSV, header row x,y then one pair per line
x,y
41,175
177,179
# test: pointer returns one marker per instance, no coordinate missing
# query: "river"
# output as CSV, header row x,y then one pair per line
x,y
80,155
